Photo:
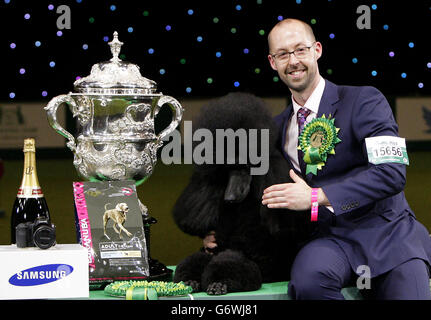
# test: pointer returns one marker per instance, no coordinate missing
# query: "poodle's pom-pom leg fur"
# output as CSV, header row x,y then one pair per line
x,y
231,271
191,268
217,288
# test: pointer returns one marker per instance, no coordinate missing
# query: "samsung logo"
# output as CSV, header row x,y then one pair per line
x,y
40,275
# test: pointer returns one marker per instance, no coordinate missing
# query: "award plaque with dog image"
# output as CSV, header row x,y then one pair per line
x,y
109,225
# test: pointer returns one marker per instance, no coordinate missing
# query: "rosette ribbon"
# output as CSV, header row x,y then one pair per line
x,y
317,140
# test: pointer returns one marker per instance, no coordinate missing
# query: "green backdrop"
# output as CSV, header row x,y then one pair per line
x,y
159,193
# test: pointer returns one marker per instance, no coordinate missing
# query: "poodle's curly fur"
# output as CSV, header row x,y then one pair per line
x,y
254,244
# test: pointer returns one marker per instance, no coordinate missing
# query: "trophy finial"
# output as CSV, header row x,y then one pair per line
x,y
115,45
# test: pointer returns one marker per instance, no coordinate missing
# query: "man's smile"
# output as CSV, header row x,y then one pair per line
x,y
296,74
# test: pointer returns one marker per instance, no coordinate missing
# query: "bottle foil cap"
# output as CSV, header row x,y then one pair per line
x,y
29,145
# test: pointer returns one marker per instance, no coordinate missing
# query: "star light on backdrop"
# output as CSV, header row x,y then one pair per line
x,y
209,48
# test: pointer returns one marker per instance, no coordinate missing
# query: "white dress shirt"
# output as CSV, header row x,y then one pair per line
x,y
312,104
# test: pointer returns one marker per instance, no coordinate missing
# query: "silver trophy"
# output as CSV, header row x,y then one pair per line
x,y
115,108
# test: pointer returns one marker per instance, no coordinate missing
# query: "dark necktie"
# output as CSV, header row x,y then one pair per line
x,y
301,117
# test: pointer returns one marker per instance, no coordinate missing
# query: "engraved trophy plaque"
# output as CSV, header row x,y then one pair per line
x,y
115,108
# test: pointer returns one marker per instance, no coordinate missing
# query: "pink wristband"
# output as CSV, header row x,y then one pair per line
x,y
314,205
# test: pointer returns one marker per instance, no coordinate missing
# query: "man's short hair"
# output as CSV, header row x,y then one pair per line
x,y
307,27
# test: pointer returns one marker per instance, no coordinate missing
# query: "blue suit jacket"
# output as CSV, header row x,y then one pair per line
x,y
372,221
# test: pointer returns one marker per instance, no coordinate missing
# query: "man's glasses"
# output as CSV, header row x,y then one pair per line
x,y
299,53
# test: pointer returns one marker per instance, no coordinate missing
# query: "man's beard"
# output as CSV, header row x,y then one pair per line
x,y
298,87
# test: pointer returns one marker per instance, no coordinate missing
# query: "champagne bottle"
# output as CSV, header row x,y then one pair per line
x,y
30,202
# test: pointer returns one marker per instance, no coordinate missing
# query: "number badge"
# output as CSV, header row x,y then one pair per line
x,y
387,149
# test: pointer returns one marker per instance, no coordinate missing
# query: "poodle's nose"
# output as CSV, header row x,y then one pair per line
x,y
231,198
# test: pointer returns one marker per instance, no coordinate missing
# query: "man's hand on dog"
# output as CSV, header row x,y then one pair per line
x,y
210,242
293,196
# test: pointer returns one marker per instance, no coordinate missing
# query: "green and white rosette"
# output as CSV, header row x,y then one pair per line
x,y
317,140
146,290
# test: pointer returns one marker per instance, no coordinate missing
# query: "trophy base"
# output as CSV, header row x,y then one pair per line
x,y
158,271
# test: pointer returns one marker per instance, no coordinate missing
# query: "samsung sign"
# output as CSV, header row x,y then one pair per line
x,y
40,275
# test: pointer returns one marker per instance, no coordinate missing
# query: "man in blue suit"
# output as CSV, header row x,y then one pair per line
x,y
364,222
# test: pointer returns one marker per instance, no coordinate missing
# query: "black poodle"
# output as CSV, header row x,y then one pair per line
x,y
254,244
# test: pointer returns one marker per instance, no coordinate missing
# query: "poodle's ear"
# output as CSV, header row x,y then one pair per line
x,y
278,173
197,209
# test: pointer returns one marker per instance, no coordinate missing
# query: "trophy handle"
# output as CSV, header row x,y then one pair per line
x,y
177,114
51,112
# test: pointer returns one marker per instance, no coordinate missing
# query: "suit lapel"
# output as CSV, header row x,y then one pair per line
x,y
329,100
327,106
287,114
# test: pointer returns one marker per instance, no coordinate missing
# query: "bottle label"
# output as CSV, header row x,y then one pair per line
x,y
30,192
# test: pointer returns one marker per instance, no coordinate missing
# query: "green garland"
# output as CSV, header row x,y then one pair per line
x,y
316,141
146,290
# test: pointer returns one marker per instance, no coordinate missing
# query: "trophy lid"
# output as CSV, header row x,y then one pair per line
x,y
115,76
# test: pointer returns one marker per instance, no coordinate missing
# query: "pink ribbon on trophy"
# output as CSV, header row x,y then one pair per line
x,y
84,221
